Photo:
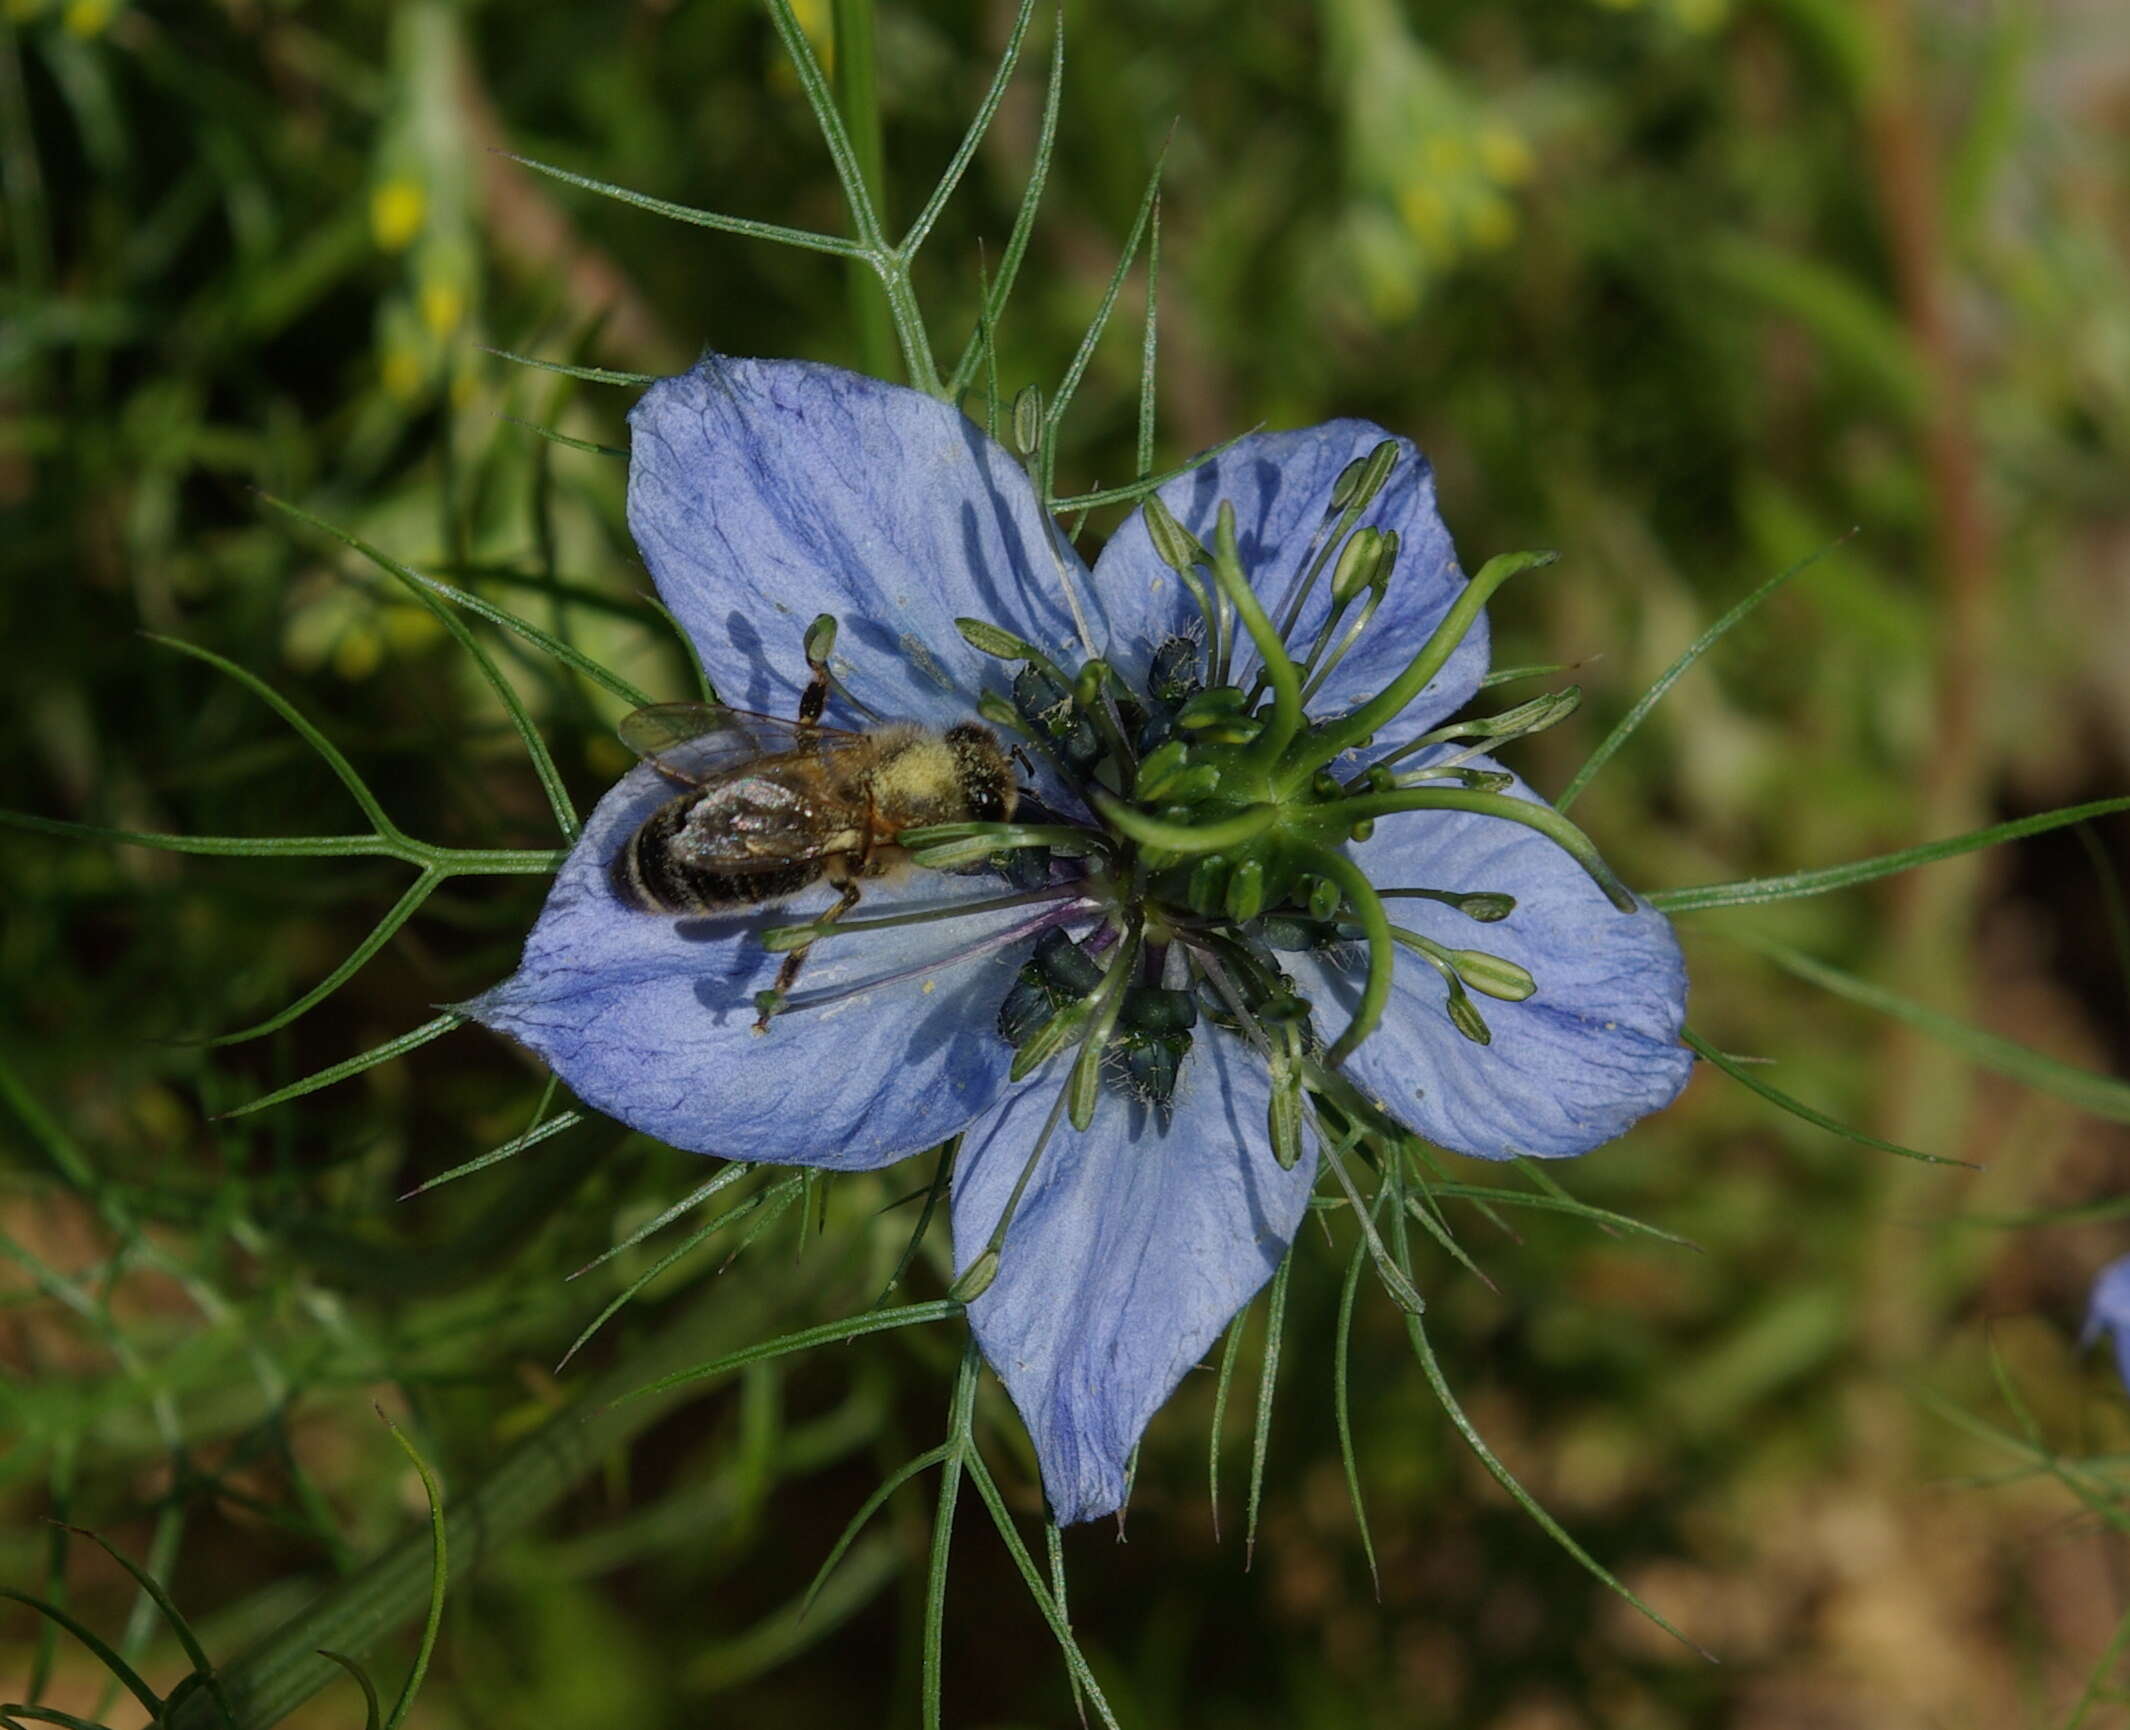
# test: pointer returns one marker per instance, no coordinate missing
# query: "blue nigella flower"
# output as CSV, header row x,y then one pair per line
x,y
2108,1312
1247,893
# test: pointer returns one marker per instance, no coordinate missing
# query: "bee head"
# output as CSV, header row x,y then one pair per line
x,y
984,771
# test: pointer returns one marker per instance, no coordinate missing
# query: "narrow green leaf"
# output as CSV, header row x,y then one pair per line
x,y
1522,1497
1267,1385
1758,891
379,935
770,231
961,1422
425,592
1797,1108
106,1654
218,846
373,1708
544,1128
935,1192
1564,1204
1147,348
439,1576
965,152
1230,1352
370,1059
1672,674
771,1201
590,447
154,1588
1140,489
46,1715
829,1333
2101,1095
866,1510
1052,1613
1342,1407
701,1193
1076,370
1023,225
328,753
589,374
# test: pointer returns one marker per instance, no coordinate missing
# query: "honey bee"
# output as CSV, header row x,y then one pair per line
x,y
771,807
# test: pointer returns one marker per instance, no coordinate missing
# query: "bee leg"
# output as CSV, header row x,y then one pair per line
x,y
770,1001
814,698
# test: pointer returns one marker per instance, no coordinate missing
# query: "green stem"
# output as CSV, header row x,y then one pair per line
x,y
858,101
1531,814
1320,747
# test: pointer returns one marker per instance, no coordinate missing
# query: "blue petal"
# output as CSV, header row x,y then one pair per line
x,y
1132,1248
765,493
1595,1049
2109,1312
650,1019
1280,485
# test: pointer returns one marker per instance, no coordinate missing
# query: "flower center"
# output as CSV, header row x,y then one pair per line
x,y
1223,813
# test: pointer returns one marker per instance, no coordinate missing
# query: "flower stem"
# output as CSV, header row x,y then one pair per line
x,y
858,101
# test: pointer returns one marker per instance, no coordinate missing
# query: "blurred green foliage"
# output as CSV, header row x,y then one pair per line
x,y
1686,288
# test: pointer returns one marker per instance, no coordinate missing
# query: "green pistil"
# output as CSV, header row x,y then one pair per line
x,y
1184,840
1286,681
1532,815
1317,748
1367,909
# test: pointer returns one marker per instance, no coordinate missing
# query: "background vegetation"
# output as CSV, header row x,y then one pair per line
x,y
1687,288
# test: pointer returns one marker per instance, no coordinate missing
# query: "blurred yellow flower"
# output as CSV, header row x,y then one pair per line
x,y
443,307
1504,154
397,209
1491,222
403,374
89,17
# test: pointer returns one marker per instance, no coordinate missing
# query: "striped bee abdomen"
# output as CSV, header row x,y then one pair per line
x,y
652,873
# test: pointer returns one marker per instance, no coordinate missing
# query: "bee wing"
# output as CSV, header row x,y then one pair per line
x,y
696,743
